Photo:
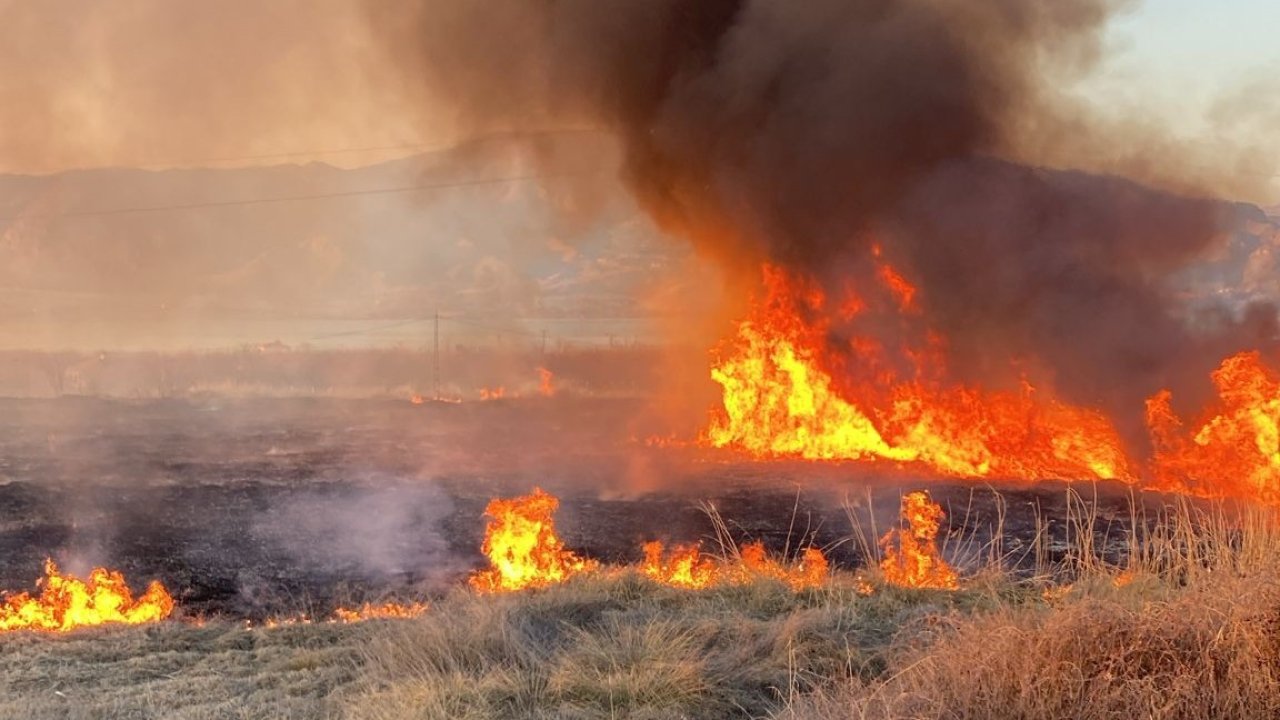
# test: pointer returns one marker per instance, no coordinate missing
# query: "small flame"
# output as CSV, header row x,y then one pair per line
x,y
66,602
494,393
916,562
379,611
522,546
417,399
685,567
546,382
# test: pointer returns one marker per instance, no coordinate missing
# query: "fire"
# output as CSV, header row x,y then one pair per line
x,y
685,567
522,546
495,393
1234,449
379,611
66,602
916,562
781,399
546,382
417,399
809,571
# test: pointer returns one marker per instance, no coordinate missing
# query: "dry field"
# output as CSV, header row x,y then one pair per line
x,y
1190,627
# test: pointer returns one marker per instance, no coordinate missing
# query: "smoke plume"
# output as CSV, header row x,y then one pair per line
x,y
801,133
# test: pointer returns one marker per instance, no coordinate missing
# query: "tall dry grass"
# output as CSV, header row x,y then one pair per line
x,y
1187,625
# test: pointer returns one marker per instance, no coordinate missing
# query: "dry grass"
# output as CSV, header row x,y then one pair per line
x,y
175,671
1188,626
623,647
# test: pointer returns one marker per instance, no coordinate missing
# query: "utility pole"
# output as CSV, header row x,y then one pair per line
x,y
435,366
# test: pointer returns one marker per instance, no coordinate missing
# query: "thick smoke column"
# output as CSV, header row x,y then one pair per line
x,y
801,132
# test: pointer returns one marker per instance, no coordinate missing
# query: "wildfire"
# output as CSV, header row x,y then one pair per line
x,y
915,561
66,602
685,567
1234,450
522,546
780,400
494,393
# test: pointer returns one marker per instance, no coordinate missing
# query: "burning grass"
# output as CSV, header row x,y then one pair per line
x,y
1187,626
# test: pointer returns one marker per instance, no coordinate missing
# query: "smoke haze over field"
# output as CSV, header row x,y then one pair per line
x,y
802,133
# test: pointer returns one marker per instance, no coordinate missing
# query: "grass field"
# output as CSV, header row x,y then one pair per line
x,y
1190,627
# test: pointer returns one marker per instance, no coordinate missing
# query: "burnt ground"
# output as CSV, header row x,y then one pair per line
x,y
253,508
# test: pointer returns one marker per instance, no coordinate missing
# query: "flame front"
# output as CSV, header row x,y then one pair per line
x,y
522,546
780,400
1234,450
685,567
913,560
379,611
66,602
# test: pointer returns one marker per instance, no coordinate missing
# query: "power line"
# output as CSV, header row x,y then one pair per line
x,y
297,198
421,148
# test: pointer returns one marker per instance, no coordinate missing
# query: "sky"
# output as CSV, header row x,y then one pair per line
x,y
149,82
1185,56
156,84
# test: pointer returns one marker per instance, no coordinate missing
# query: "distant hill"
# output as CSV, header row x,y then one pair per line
x,y
108,255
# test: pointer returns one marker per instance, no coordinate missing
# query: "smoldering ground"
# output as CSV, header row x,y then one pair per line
x,y
801,133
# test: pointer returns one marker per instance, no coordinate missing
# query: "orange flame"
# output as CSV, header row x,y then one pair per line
x,y
1234,450
379,611
522,546
496,393
916,562
779,400
546,382
66,603
685,567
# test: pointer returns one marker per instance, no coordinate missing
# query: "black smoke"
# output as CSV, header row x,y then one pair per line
x,y
801,132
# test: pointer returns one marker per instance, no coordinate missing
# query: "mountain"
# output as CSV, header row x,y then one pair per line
x,y
171,255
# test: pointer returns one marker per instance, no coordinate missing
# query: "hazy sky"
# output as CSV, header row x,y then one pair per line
x,y
159,83
85,83
1211,68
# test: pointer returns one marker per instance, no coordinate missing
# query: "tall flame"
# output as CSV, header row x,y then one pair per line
x,y
780,400
66,602
1234,450
914,560
522,546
